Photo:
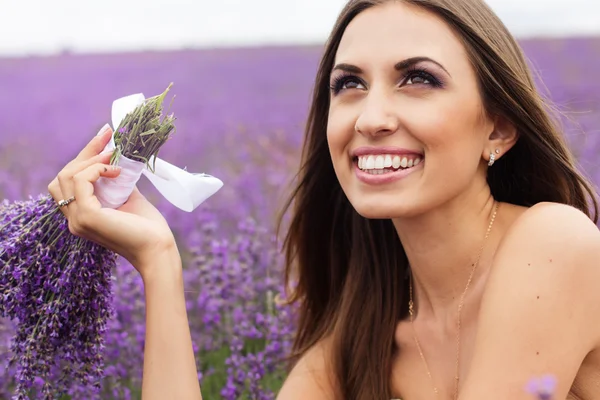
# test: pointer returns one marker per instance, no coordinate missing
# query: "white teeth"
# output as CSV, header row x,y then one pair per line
x,y
387,162
370,163
381,161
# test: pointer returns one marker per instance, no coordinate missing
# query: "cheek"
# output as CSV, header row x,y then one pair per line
x,y
451,134
451,128
339,132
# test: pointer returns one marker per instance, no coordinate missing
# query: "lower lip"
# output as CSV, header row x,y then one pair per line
x,y
388,177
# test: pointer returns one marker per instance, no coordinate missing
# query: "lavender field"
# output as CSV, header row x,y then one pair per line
x,y
240,117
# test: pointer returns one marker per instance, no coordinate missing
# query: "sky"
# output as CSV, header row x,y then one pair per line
x,y
37,27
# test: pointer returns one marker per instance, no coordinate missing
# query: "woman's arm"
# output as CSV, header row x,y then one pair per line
x,y
169,365
140,234
539,314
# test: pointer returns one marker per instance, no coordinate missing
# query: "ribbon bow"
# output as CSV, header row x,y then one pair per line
x,y
183,189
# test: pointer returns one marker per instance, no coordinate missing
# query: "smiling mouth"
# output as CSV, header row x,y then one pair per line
x,y
387,163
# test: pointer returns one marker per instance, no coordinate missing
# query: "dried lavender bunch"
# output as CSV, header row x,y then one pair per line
x,y
57,286
142,132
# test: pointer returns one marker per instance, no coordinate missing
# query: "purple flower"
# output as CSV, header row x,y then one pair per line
x,y
543,387
56,287
232,270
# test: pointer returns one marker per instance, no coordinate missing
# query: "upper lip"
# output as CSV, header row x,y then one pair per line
x,y
370,150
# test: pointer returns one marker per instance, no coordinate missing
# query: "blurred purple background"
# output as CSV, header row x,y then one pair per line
x,y
240,116
240,112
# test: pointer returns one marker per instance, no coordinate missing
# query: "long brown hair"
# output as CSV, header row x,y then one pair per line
x,y
349,272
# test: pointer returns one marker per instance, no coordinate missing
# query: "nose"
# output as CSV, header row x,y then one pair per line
x,y
377,116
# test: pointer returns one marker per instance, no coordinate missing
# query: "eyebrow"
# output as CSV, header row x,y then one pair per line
x,y
402,65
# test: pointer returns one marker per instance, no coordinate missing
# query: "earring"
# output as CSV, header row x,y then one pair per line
x,y
493,157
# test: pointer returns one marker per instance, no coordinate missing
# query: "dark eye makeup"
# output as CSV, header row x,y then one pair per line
x,y
418,76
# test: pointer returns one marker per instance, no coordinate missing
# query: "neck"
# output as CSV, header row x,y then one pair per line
x,y
442,246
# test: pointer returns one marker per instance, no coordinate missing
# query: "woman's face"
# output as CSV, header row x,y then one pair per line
x,y
406,130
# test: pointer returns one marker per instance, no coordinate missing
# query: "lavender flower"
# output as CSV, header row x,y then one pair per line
x,y
57,287
543,388
142,132
231,286
230,123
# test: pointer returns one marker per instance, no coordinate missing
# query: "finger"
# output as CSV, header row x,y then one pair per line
x,y
56,193
84,185
66,186
96,145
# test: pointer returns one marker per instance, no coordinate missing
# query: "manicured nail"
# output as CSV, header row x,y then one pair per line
x,y
103,130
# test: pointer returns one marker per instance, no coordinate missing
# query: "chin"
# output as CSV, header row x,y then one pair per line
x,y
378,208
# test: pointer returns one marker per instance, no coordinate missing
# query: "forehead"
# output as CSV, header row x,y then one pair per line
x,y
394,31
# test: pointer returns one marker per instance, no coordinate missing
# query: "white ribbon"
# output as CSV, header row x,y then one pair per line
x,y
182,189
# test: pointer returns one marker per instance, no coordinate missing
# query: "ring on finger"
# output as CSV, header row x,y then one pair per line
x,y
64,203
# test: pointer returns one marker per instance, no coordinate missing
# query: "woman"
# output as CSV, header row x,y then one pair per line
x,y
442,239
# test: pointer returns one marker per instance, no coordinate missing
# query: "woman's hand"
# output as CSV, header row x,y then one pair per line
x,y
136,230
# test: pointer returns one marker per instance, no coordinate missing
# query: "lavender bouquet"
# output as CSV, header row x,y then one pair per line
x,y
57,286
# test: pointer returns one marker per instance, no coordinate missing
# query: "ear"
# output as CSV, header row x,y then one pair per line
x,y
502,138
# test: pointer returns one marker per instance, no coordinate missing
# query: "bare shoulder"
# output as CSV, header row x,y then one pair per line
x,y
548,219
311,377
539,311
556,240
554,249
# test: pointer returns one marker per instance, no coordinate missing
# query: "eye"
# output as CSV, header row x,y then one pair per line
x,y
421,77
416,79
345,82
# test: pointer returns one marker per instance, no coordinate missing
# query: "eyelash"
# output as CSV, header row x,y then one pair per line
x,y
420,72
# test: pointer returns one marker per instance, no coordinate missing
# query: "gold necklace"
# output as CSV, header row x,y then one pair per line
x,y
460,306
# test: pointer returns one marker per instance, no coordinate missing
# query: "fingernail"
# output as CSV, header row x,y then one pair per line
x,y
116,168
103,130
